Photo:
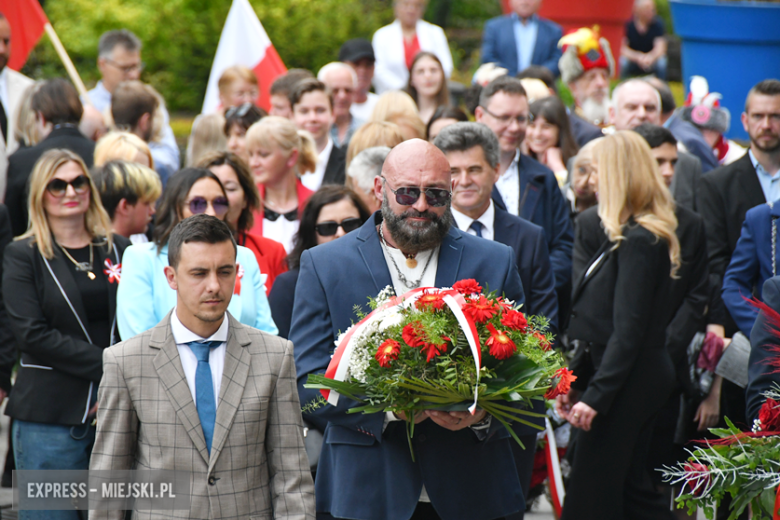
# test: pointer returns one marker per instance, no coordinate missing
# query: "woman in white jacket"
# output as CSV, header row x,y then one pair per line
x,y
396,45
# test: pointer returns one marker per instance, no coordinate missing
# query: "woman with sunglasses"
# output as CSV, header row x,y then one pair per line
x,y
144,298
332,212
237,122
244,201
279,154
60,281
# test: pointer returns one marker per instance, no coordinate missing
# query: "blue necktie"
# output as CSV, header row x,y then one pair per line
x,y
477,227
204,388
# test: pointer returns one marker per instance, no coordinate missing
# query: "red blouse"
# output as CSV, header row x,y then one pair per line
x,y
270,256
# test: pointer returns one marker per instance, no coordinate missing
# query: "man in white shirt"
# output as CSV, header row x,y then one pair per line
x,y
359,54
12,86
312,106
342,80
204,394
119,59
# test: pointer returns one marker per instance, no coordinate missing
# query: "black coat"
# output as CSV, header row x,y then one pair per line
x,y
22,162
336,169
724,196
583,131
7,344
687,175
281,300
59,367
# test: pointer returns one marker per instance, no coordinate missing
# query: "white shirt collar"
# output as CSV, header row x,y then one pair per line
x,y
183,335
487,219
313,180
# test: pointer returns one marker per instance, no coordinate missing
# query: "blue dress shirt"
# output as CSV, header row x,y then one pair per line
x,y
525,37
770,184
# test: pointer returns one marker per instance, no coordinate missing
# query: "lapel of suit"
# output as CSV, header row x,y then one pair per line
x,y
541,45
530,188
167,363
370,250
498,200
510,43
234,376
450,254
750,183
332,167
586,276
502,228
66,284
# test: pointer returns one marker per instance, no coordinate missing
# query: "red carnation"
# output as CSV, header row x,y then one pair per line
x,y
514,320
431,350
769,415
468,286
387,352
480,310
504,304
429,301
412,334
565,378
697,478
543,342
499,344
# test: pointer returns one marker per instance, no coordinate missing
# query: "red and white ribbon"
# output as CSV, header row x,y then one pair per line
x,y
239,276
554,470
114,272
455,301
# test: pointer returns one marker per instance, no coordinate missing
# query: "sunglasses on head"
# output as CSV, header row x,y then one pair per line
x,y
58,187
199,205
239,111
330,228
408,196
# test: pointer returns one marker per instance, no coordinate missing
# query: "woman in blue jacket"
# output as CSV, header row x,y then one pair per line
x,y
144,297
753,262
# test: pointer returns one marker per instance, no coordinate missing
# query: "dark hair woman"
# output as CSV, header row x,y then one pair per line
x,y
444,116
427,84
237,122
60,281
144,298
243,202
332,212
549,138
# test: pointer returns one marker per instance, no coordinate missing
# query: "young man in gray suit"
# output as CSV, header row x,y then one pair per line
x,y
202,393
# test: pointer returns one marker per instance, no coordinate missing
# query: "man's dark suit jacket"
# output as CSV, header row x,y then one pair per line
x,y
336,169
723,198
687,174
499,45
765,347
545,206
22,162
690,291
694,142
583,131
7,343
364,472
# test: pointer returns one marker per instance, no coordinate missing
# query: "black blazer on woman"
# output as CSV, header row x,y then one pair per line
x,y
620,311
59,367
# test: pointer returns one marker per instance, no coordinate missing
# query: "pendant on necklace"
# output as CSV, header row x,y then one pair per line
x,y
411,262
91,275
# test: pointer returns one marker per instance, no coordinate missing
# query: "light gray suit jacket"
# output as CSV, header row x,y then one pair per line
x,y
147,419
16,84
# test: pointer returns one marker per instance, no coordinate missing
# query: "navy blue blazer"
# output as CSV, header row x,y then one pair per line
x,y
762,340
363,472
499,46
694,142
545,206
750,266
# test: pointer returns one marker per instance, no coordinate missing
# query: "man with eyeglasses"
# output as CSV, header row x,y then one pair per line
x,y
365,470
119,59
525,187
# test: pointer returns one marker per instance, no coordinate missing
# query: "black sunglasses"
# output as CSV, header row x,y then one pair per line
x,y
408,196
58,187
330,228
199,205
239,111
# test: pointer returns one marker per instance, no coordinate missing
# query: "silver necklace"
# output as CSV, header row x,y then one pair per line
x,y
407,283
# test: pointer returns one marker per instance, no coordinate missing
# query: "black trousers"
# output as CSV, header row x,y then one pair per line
x,y
424,511
524,461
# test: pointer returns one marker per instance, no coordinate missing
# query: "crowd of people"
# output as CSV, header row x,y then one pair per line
x,y
635,227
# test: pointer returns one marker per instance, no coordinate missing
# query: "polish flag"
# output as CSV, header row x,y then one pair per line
x,y
28,23
244,42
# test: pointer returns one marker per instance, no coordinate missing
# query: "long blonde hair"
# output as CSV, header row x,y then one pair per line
x,y
96,219
274,131
630,183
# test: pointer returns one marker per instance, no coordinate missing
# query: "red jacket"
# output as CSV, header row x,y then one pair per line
x,y
270,256
303,197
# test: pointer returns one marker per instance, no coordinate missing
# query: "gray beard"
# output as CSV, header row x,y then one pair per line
x,y
595,112
413,238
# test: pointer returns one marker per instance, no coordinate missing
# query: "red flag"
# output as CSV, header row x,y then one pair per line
x,y
28,22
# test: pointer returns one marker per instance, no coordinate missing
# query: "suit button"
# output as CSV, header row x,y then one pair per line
x,y
212,481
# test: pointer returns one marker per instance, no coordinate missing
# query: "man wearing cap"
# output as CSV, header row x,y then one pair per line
x,y
359,54
586,66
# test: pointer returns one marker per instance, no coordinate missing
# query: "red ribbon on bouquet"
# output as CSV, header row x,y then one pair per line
x,y
456,303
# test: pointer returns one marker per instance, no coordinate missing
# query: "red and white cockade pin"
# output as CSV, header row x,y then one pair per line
x,y
114,272
239,276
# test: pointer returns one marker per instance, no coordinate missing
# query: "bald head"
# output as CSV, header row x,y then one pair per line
x,y
415,158
635,102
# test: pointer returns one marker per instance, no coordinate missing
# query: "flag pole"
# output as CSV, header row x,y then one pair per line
x,y
63,54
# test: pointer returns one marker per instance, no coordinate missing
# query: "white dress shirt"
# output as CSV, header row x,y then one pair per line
x,y
313,180
508,186
487,219
282,230
363,110
412,275
182,335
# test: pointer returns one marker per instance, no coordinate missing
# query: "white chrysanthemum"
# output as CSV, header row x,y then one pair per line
x,y
391,319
